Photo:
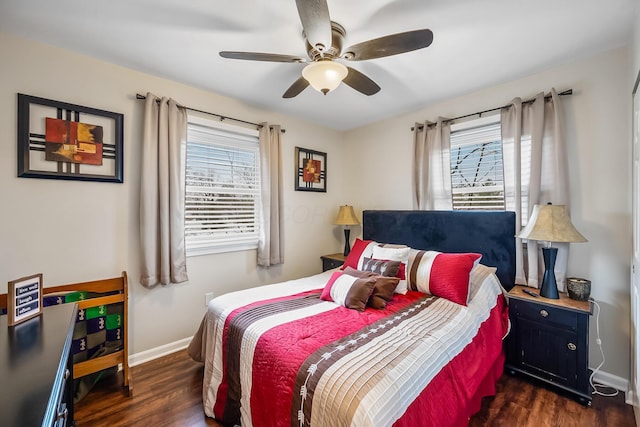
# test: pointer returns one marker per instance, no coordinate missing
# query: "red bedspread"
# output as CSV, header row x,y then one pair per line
x,y
297,360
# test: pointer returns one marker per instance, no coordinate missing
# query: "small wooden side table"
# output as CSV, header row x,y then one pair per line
x,y
549,341
332,261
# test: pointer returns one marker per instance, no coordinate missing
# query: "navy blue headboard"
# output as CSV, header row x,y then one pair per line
x,y
490,233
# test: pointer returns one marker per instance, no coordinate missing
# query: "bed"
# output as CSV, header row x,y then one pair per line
x,y
282,355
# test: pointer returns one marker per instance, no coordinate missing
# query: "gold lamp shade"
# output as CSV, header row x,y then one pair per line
x,y
346,217
550,223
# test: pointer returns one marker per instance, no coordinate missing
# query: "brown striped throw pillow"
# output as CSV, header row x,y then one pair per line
x,y
383,290
348,291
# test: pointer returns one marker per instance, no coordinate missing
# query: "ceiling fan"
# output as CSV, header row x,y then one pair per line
x,y
324,40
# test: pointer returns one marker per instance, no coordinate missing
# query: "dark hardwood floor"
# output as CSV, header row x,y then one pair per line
x,y
168,392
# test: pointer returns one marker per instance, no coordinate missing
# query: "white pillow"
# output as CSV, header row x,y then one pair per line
x,y
394,253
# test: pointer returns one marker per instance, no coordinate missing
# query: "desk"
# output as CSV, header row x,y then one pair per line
x,y
36,369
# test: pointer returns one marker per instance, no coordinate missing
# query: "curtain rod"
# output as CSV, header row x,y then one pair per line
x,y
220,116
480,113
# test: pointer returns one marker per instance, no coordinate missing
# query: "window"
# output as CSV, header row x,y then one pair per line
x,y
477,174
479,162
222,206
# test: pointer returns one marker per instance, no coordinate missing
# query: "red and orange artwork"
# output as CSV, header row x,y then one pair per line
x,y
73,142
312,170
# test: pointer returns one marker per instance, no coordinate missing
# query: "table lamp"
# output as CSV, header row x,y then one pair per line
x,y
550,223
346,217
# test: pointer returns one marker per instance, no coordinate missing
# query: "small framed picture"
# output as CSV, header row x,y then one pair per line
x,y
311,170
24,299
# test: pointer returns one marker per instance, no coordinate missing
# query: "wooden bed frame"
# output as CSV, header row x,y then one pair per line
x,y
118,286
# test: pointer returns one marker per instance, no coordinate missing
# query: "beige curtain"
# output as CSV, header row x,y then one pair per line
x,y
432,166
271,243
162,188
546,180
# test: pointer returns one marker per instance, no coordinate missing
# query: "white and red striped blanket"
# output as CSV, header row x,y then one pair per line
x,y
279,356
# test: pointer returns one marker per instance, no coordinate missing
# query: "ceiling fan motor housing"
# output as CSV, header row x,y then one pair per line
x,y
337,39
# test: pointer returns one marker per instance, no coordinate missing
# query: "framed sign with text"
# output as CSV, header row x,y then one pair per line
x,y
24,299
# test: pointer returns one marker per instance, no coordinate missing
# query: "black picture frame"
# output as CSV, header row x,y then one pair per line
x,y
311,170
32,112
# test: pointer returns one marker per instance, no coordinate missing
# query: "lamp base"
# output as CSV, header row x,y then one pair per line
x,y
347,246
549,287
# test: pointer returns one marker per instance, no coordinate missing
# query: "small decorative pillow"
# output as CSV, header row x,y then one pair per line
x,y
383,290
383,267
360,249
395,253
359,273
441,274
348,291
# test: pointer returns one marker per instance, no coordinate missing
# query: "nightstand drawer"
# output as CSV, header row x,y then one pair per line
x,y
329,263
544,313
332,261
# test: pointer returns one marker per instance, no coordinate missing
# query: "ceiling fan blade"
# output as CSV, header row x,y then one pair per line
x,y
297,87
258,56
361,83
314,15
389,45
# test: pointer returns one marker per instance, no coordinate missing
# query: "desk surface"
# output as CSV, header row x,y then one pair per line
x,y
32,363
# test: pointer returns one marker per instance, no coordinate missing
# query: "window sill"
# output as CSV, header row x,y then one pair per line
x,y
221,249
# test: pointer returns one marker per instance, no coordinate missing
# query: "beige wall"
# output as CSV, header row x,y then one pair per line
x,y
77,231
598,120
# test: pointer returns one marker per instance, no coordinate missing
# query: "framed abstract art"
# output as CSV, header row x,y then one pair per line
x,y
311,170
59,140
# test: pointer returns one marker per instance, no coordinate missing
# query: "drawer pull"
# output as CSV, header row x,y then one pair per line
x,y
544,313
63,413
67,374
571,346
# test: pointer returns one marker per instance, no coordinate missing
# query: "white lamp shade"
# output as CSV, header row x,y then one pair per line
x,y
324,76
550,223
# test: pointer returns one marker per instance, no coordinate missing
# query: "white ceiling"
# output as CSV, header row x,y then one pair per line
x,y
476,44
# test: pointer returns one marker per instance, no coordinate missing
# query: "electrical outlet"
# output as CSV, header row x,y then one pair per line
x,y
207,297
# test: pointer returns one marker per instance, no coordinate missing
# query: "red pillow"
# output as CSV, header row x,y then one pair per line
x,y
444,275
360,249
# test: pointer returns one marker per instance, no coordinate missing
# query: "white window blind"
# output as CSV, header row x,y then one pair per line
x,y
222,206
477,178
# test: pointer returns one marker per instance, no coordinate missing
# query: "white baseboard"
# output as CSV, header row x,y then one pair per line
x,y
611,380
616,382
154,353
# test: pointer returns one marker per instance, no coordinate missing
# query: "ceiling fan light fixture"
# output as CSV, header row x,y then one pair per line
x,y
325,76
